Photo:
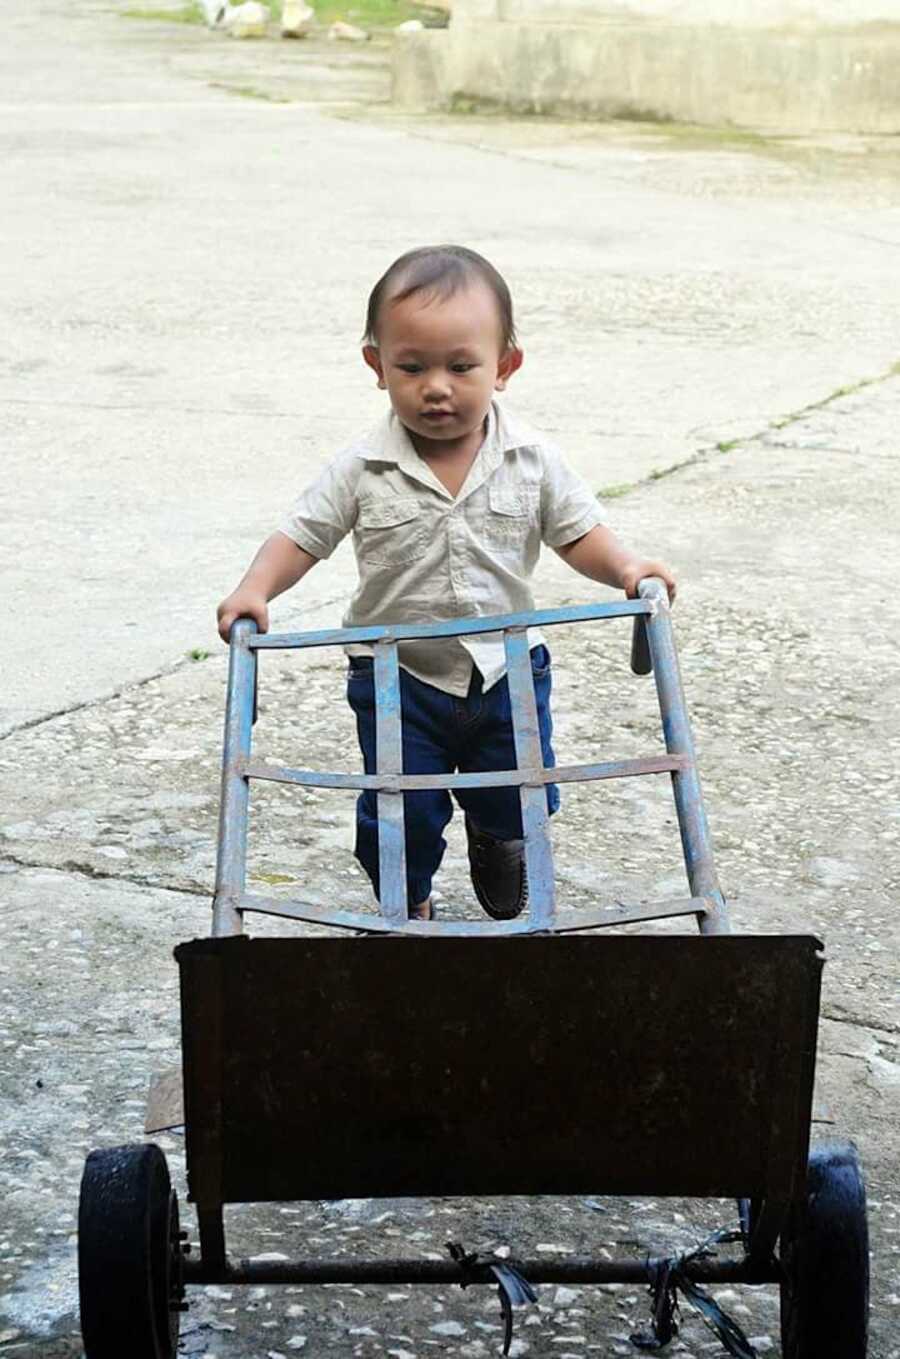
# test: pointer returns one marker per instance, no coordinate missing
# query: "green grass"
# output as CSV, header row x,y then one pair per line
x,y
197,653
376,13
696,137
364,13
617,489
189,13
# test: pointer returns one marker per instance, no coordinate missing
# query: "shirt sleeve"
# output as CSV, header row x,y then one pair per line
x,y
326,510
569,508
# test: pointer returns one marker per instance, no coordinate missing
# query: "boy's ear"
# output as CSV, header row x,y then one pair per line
x,y
373,359
510,362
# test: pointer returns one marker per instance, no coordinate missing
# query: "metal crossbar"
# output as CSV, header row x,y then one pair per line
x,y
564,922
653,641
498,778
457,627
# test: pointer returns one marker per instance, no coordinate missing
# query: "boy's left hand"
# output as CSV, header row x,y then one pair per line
x,y
639,570
600,556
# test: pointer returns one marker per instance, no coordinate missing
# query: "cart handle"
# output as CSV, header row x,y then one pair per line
x,y
653,588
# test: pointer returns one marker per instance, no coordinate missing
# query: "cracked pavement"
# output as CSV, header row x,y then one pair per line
x,y
710,329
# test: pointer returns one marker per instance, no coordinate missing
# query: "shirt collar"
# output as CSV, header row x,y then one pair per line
x,y
389,442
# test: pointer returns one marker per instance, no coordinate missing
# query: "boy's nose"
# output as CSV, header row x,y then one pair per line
x,y
437,385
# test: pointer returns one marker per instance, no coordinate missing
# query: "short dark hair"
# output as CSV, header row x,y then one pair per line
x,y
442,270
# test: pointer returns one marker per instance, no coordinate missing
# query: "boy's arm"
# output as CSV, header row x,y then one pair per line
x,y
600,556
278,565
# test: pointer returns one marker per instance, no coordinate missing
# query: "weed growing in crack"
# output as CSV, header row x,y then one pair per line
x,y
618,488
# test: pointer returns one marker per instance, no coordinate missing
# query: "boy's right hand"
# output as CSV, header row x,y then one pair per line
x,y
242,603
278,565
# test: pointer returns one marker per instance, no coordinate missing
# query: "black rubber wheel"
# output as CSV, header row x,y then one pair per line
x,y
129,1255
825,1258
748,1211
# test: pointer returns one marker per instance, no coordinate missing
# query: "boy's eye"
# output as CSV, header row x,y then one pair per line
x,y
409,367
461,367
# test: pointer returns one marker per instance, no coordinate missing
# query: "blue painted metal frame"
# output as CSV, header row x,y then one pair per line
x,y
652,627
234,805
389,745
692,823
532,794
458,627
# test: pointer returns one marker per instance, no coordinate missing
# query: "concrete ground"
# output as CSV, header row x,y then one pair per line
x,y
710,328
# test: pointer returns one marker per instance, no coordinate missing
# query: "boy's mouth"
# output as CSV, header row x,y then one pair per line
x,y
437,415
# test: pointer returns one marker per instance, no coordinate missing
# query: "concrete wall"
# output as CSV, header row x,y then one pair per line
x,y
789,66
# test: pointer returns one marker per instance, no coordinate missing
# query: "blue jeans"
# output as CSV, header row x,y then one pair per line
x,y
443,733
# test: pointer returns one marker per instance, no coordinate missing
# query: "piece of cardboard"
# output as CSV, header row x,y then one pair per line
x,y
165,1102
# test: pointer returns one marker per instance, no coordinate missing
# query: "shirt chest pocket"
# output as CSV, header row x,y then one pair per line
x,y
511,515
390,531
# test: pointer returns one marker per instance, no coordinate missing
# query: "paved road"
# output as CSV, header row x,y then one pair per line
x,y
183,280
182,288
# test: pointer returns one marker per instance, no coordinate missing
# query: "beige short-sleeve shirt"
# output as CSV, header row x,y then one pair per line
x,y
425,555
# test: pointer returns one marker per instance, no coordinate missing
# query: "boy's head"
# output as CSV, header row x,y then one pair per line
x,y
438,272
440,337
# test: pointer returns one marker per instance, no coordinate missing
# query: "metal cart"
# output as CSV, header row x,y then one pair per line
x,y
381,1063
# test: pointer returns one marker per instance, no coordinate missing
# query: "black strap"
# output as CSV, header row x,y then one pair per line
x,y
513,1288
668,1278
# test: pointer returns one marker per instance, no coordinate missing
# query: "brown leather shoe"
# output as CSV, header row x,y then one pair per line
x,y
498,873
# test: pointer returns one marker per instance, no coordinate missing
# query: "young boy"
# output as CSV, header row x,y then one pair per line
x,y
448,500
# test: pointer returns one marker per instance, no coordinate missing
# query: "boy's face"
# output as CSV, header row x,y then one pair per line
x,y
441,359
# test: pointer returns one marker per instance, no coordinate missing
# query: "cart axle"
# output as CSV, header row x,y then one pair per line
x,y
578,1269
